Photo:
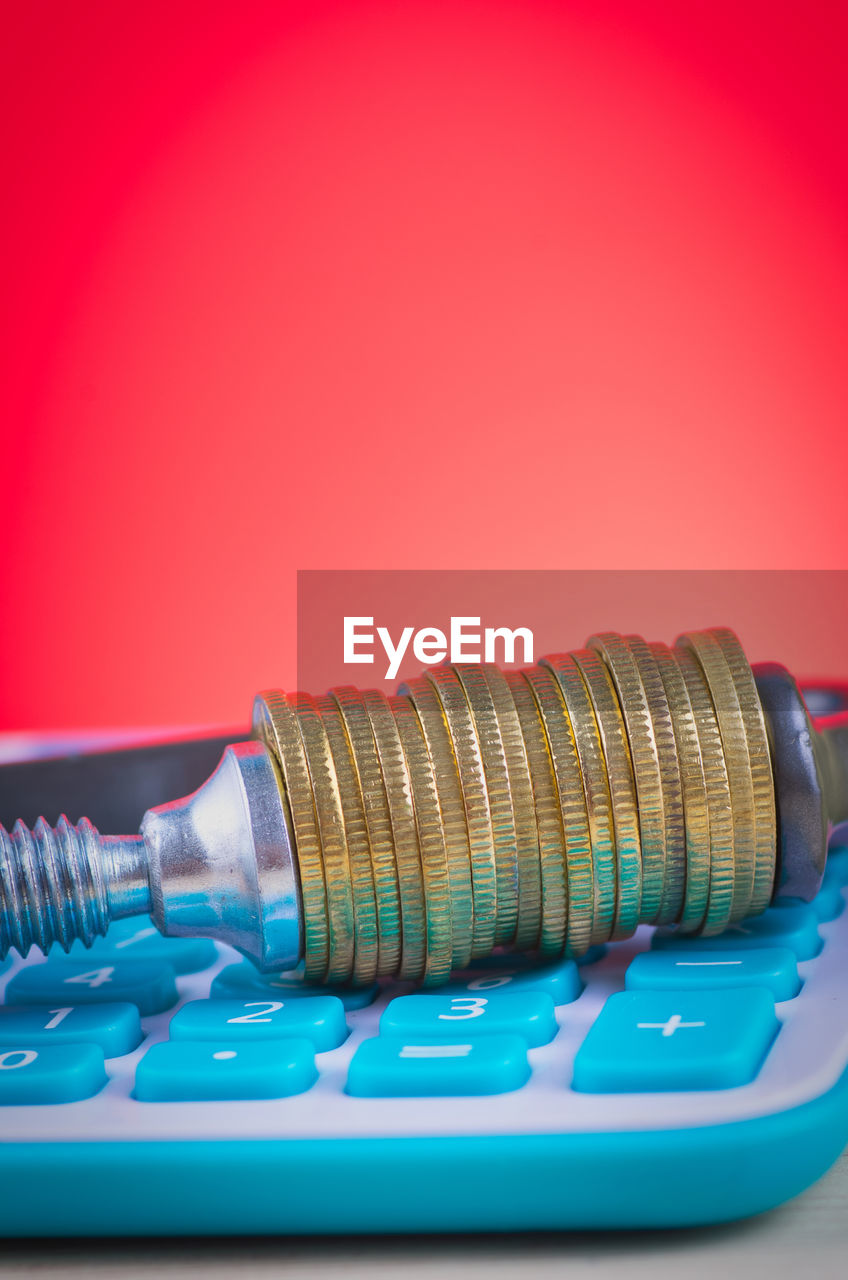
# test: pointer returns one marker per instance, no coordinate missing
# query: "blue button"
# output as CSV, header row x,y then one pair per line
x,y
561,980
147,984
457,1017
320,1019
138,938
240,980
835,880
795,927
387,1068
828,902
116,1028
772,967
836,869
190,1071
658,1041
54,1073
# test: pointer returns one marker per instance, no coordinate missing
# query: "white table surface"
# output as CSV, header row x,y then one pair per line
x,y
807,1237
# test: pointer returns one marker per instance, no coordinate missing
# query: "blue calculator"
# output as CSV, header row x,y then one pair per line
x,y
155,1085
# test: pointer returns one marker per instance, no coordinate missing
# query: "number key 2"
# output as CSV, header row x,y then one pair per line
x,y
319,1019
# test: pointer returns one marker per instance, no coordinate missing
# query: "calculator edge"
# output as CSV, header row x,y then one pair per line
x,y
666,1178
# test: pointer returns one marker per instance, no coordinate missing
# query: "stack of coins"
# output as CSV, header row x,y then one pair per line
x,y
544,810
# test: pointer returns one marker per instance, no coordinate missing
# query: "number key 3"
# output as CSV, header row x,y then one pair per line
x,y
529,1015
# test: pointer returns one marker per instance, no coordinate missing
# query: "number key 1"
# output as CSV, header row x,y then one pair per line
x,y
116,1028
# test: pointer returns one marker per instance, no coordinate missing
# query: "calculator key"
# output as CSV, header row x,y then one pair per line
x,y
241,980
148,984
116,1028
320,1019
529,1015
833,885
795,927
561,980
836,869
137,938
50,1073
773,967
658,1041
192,1071
828,902
387,1068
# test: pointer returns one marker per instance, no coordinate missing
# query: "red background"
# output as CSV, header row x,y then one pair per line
x,y
401,285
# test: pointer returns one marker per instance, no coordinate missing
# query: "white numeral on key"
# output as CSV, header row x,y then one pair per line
x,y
491,980
24,1056
435,1051
262,1007
149,932
467,1006
59,1015
93,977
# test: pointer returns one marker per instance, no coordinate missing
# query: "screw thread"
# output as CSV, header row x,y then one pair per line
x,y
52,886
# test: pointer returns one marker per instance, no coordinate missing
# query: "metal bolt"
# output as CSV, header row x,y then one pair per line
x,y
221,863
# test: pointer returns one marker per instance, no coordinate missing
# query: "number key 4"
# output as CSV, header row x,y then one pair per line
x,y
147,984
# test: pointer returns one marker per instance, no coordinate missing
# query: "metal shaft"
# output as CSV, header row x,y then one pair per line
x,y
325,837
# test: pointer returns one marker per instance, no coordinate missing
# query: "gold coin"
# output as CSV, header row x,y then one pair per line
x,y
526,832
500,797
431,842
475,796
719,802
697,885
426,702
625,810
328,807
593,767
275,722
548,819
646,766
674,886
404,834
759,755
372,790
572,804
734,741
358,847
